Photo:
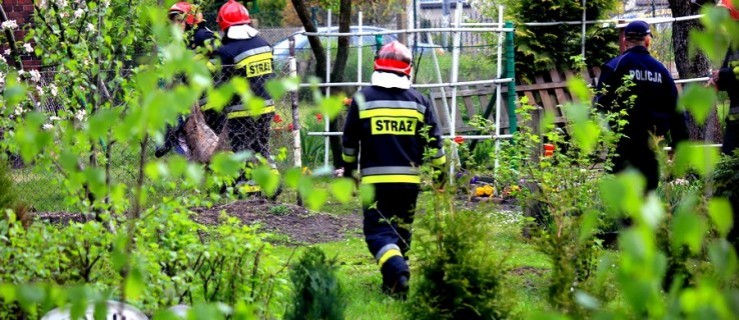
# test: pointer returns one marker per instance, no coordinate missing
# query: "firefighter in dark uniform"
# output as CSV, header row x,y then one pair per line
x,y
654,111
244,53
199,39
383,130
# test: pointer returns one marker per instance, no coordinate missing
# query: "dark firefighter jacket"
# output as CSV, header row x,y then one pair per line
x,y
252,59
383,128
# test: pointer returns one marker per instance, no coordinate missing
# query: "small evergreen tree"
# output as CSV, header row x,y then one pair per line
x,y
541,49
316,293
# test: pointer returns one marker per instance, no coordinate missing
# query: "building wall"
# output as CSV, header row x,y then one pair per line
x,y
21,11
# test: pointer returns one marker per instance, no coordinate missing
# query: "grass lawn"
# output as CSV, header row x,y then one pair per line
x,y
361,280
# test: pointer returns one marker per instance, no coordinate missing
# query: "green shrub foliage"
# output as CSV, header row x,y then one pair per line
x,y
316,293
454,275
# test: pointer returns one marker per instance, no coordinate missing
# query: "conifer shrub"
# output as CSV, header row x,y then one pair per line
x,y
456,276
317,293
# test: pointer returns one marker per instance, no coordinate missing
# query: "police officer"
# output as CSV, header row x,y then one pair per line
x,y
654,109
200,39
383,130
244,53
727,79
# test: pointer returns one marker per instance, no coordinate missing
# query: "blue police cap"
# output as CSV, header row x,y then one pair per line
x,y
637,29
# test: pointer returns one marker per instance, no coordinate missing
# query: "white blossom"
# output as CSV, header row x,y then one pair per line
x,y
78,13
35,75
64,15
21,72
53,90
90,27
42,3
54,118
18,111
80,115
6,52
47,126
10,24
28,47
40,90
61,3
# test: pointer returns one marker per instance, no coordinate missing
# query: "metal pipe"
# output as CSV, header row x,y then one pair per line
x,y
438,75
359,53
584,25
620,23
424,85
466,137
455,77
692,80
297,148
498,96
326,141
373,33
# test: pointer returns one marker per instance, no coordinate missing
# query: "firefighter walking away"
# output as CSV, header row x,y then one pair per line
x,y
384,131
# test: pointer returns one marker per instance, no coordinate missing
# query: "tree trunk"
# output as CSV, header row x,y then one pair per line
x,y
698,66
315,42
337,74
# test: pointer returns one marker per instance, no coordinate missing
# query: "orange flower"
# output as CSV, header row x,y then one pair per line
x,y
347,101
277,118
458,140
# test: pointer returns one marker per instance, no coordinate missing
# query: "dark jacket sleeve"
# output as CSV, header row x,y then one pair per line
x,y
727,78
434,141
350,139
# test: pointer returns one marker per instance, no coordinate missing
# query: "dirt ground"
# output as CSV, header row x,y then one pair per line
x,y
298,224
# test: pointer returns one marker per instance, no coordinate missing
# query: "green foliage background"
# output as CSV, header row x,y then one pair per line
x,y
540,49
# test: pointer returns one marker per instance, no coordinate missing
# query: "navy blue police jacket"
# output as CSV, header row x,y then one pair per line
x,y
384,129
654,110
252,59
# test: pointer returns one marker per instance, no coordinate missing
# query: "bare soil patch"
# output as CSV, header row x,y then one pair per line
x,y
298,224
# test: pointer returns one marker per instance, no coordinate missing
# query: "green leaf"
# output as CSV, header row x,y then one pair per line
x,y
266,179
688,229
7,292
292,176
220,96
719,209
693,155
586,300
177,166
279,86
723,257
30,295
225,164
652,211
14,91
79,298
343,189
699,101
316,198
332,106
194,173
156,170
579,89
589,224
134,283
367,194
101,122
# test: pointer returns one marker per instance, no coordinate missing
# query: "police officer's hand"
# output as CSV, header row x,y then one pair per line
x,y
713,79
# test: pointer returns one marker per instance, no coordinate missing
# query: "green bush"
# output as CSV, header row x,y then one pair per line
x,y
453,275
317,293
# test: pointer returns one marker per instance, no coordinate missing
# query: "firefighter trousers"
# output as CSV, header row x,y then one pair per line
x,y
387,227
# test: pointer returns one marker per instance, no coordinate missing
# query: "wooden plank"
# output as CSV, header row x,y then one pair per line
x,y
470,107
559,92
546,99
541,86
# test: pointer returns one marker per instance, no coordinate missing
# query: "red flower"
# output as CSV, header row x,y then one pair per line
x,y
319,117
458,140
290,127
277,118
